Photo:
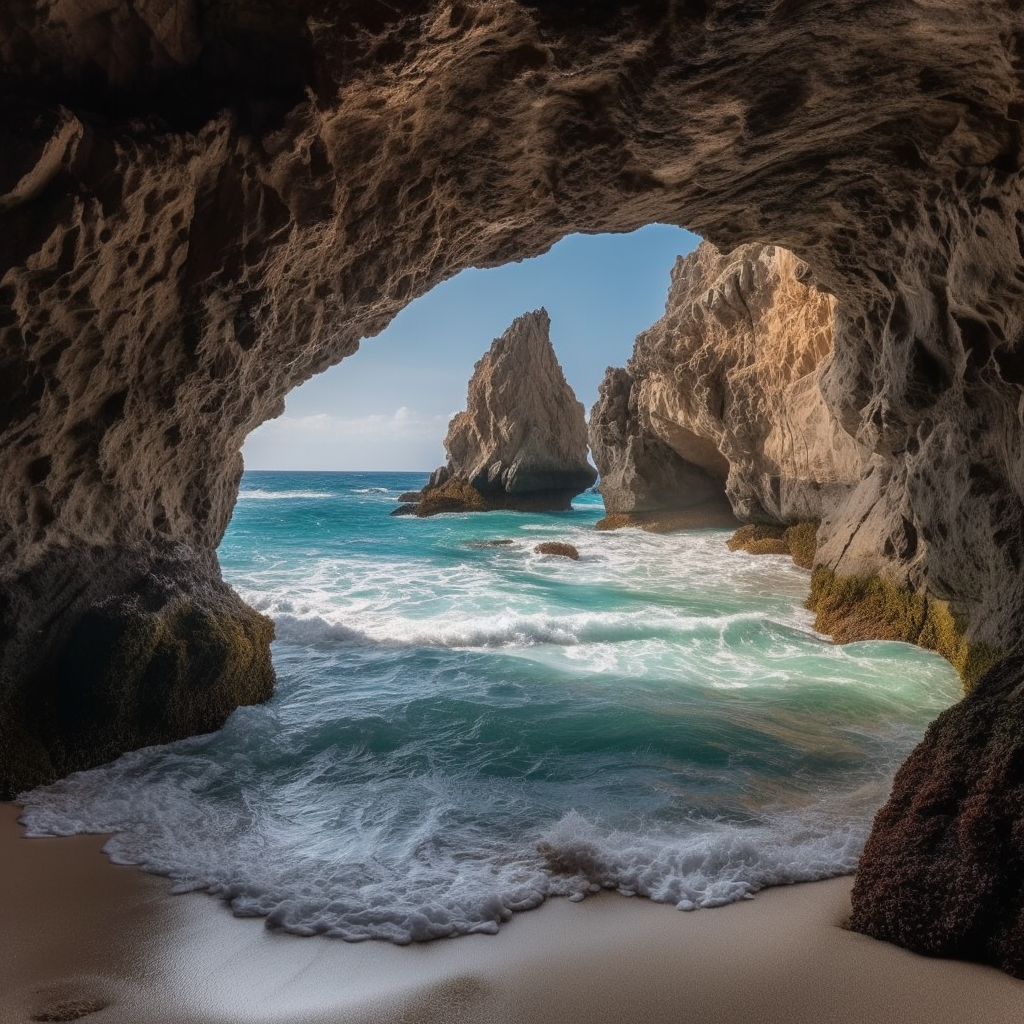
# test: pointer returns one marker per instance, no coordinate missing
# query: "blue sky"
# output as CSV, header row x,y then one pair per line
x,y
387,407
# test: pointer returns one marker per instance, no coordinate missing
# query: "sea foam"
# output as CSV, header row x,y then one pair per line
x,y
462,731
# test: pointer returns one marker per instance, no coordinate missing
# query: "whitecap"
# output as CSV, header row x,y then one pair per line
x,y
260,495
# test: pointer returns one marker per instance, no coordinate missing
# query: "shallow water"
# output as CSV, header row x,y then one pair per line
x,y
462,730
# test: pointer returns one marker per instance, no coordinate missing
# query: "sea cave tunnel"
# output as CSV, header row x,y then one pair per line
x,y
201,212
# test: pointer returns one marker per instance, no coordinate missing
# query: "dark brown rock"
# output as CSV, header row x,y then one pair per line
x,y
555,547
170,657
943,870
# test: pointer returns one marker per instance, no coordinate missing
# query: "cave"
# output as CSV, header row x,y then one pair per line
x,y
199,212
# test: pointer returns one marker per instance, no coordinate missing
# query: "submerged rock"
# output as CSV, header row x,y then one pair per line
x,y
554,547
521,443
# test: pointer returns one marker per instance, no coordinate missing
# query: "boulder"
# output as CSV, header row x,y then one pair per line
x,y
558,548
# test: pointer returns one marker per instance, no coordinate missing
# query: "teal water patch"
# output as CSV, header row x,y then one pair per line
x,y
462,729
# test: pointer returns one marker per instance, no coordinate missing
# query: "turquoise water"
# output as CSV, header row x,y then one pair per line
x,y
462,729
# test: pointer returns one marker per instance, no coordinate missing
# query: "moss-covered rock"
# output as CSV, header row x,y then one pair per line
x,y
709,514
130,676
457,495
802,542
854,608
454,495
758,539
798,541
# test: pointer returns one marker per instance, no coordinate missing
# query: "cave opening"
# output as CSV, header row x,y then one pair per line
x,y
387,406
470,723
174,266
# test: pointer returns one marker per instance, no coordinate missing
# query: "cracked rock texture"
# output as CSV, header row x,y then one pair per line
x,y
522,439
203,204
724,394
943,871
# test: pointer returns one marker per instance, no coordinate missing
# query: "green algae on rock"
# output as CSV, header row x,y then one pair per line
x,y
799,541
852,608
759,539
716,513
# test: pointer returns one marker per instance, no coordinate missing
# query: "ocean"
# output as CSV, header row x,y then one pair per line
x,y
464,728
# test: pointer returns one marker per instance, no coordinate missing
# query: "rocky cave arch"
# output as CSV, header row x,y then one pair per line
x,y
205,202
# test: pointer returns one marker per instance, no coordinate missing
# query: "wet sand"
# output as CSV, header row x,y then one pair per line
x,y
78,932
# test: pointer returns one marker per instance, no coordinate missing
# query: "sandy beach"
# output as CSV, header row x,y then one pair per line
x,y
79,932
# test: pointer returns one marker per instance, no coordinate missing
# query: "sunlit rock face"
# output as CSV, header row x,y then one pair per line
x,y
724,393
205,204
521,441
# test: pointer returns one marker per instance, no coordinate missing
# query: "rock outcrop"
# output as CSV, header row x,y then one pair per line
x,y
640,472
521,442
723,396
202,205
942,872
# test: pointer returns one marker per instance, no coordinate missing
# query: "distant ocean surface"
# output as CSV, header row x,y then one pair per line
x,y
461,731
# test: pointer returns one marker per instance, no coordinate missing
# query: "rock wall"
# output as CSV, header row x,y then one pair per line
x,y
640,472
202,205
941,873
723,394
521,441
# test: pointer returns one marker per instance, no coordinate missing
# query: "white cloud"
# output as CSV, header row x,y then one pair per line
x,y
402,440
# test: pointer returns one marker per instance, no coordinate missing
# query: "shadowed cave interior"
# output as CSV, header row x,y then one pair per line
x,y
185,236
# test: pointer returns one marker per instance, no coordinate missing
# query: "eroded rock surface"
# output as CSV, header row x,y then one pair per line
x,y
205,204
640,473
521,441
723,395
943,871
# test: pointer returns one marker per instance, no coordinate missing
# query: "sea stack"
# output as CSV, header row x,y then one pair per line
x,y
521,442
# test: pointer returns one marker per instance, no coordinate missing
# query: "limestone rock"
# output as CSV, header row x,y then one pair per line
x,y
723,395
202,205
522,440
639,471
